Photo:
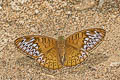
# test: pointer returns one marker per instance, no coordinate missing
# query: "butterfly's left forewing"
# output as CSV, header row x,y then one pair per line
x,y
41,48
78,44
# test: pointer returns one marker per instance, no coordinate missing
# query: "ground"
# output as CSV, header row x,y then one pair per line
x,y
54,18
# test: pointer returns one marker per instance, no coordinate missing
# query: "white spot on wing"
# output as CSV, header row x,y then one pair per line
x,y
86,39
91,45
95,35
32,39
21,46
27,50
100,37
24,48
91,37
40,59
33,50
88,33
19,43
29,44
34,45
85,47
30,53
30,48
85,42
37,53
97,39
94,42
83,53
43,61
81,56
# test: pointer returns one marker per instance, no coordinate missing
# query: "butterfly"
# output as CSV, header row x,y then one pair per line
x,y
54,54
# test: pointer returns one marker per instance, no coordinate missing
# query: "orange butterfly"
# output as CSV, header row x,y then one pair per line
x,y
54,54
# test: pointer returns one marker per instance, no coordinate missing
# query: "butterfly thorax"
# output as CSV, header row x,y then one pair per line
x,y
61,48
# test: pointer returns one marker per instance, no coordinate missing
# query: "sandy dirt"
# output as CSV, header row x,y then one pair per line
x,y
54,18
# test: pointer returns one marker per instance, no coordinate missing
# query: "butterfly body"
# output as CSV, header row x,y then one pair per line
x,y
61,48
54,54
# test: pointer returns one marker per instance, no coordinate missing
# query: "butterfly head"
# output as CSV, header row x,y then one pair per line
x,y
61,38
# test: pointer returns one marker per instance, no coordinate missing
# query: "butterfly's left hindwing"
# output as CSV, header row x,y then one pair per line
x,y
42,48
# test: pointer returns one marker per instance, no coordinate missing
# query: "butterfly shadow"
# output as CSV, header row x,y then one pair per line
x,y
92,60
25,61
30,63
